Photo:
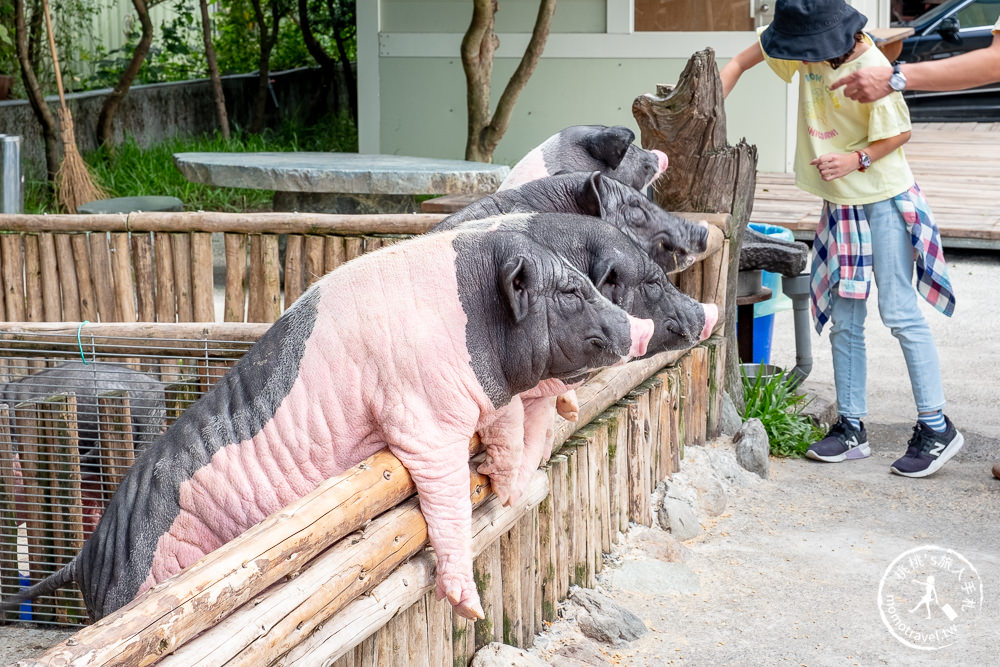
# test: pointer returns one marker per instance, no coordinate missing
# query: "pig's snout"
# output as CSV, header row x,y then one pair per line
x,y
661,161
640,331
711,317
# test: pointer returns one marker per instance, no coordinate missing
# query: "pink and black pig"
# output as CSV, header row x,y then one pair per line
x,y
627,277
608,150
414,347
672,242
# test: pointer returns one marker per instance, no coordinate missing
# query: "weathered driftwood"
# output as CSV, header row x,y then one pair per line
x,y
688,123
214,221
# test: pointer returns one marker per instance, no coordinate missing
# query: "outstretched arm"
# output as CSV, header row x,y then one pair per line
x,y
744,60
836,165
968,70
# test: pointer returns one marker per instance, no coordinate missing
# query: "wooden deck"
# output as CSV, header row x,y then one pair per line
x,y
957,165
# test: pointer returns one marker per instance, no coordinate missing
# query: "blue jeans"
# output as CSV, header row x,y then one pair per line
x,y
892,264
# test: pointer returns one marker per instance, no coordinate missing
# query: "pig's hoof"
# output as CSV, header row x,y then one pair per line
x,y
466,606
567,407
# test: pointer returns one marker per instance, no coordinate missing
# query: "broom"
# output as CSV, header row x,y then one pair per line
x,y
74,185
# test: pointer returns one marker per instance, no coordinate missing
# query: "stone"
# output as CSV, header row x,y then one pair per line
x,y
579,653
496,654
654,577
762,251
658,544
730,472
603,620
676,515
341,172
753,448
731,420
711,496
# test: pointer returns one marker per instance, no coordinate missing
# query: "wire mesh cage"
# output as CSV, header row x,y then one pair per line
x,y
75,411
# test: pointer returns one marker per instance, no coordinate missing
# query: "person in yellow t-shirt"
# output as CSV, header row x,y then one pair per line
x,y
874,223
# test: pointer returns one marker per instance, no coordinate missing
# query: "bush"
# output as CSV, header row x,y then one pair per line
x,y
774,401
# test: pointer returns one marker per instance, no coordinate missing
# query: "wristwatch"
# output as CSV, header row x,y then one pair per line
x,y
864,160
898,80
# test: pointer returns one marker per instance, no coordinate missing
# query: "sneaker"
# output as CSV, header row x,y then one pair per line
x,y
928,450
842,442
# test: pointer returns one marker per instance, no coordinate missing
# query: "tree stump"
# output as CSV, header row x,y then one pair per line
x,y
687,121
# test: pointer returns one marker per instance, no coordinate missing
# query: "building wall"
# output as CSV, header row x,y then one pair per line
x,y
412,87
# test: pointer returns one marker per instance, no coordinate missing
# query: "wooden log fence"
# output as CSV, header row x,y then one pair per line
x,y
343,576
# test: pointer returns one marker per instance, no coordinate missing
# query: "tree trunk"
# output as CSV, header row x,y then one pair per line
x,y
688,123
267,40
34,90
340,25
327,65
213,71
106,119
478,47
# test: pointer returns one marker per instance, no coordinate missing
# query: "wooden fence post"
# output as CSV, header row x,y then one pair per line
x,y
687,121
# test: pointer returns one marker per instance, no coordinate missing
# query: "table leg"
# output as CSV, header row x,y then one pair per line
x,y
744,332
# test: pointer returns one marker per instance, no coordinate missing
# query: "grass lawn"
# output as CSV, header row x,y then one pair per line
x,y
130,170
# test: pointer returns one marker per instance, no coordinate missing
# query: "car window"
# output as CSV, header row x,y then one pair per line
x,y
983,13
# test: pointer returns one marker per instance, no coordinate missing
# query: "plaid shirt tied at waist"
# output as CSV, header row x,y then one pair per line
x,y
842,255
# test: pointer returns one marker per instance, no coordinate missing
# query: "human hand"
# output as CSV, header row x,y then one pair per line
x,y
865,85
835,165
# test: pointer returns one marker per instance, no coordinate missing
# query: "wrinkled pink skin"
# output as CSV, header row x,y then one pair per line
x,y
529,168
357,391
350,401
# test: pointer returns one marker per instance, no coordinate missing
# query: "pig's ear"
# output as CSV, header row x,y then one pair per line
x,y
603,273
610,145
590,198
514,276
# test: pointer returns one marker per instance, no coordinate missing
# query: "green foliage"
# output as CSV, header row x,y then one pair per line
x,y
774,401
131,170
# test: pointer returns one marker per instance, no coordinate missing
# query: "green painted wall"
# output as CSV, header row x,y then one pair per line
x,y
513,16
423,104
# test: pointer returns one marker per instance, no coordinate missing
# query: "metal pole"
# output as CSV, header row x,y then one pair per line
x,y
11,179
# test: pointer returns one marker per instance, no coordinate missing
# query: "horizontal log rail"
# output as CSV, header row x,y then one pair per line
x,y
214,221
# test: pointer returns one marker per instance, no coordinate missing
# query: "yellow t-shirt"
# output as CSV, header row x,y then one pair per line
x,y
829,122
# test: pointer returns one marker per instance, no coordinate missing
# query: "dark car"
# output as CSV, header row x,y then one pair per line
x,y
951,28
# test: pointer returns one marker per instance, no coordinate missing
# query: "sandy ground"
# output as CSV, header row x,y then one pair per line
x,y
790,573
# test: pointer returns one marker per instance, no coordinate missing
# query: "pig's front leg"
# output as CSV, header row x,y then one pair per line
x,y
502,433
568,406
539,431
439,467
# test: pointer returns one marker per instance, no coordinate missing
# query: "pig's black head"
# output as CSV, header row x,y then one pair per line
x,y
671,241
621,271
532,316
633,282
602,148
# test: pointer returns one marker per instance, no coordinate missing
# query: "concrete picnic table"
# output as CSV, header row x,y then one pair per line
x,y
342,182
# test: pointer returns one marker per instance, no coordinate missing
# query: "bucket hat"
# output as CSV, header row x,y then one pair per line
x,y
811,30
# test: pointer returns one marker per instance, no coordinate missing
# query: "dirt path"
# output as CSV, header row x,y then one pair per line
x,y
790,573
